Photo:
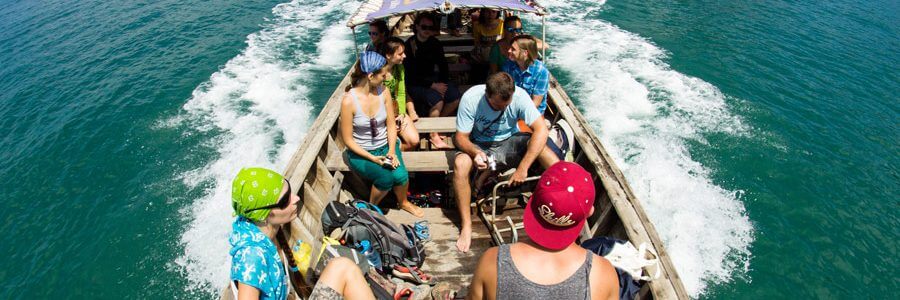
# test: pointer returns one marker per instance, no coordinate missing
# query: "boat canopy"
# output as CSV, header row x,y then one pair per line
x,y
378,9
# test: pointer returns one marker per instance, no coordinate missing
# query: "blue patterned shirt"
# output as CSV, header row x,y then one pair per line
x,y
255,260
535,79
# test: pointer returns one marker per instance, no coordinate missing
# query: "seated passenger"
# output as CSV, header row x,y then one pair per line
x,y
393,51
378,33
527,70
263,201
372,146
550,265
433,93
486,32
486,126
454,22
512,27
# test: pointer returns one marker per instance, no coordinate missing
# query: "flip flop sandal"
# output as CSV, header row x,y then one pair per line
x,y
414,275
442,291
404,293
411,291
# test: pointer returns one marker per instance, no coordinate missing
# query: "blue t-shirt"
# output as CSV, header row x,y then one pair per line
x,y
484,123
255,260
535,79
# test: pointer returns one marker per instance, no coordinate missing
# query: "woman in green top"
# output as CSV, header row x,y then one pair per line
x,y
393,51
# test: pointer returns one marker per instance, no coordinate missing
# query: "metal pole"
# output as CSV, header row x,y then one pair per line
x,y
355,46
544,38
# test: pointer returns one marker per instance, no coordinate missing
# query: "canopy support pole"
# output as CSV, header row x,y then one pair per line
x,y
355,46
544,38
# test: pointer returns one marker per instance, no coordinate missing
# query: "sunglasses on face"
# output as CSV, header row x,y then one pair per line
x,y
281,204
428,27
374,33
514,30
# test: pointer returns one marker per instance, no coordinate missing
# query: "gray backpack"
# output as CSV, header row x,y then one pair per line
x,y
397,245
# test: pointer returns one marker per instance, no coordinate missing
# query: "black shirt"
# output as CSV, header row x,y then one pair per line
x,y
421,58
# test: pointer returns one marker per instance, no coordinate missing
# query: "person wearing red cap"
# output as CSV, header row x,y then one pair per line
x,y
550,265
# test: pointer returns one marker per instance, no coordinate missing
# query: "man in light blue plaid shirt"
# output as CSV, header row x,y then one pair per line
x,y
527,71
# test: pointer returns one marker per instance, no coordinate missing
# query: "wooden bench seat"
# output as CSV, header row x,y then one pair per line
x,y
440,124
416,161
458,49
444,37
459,67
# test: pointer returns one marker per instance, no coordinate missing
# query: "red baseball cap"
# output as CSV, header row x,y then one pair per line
x,y
561,202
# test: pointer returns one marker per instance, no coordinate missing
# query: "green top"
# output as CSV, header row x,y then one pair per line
x,y
496,57
397,85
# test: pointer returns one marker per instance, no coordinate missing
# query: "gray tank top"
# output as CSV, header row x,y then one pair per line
x,y
363,134
513,285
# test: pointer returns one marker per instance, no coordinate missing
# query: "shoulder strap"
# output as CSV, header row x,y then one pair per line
x,y
356,103
381,91
588,264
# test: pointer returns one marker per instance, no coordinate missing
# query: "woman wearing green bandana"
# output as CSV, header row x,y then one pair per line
x,y
263,201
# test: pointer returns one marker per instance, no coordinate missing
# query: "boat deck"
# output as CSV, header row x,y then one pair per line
x,y
443,261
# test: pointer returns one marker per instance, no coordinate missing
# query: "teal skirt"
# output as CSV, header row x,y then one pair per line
x,y
383,178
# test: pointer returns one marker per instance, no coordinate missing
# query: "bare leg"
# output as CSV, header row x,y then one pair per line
x,y
449,109
408,134
342,275
436,138
462,166
547,158
376,195
436,109
400,192
411,110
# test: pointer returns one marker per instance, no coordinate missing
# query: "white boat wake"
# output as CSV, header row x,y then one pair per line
x,y
645,113
258,108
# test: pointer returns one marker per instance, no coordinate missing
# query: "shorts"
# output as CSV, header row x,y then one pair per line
x,y
425,98
324,292
383,178
508,153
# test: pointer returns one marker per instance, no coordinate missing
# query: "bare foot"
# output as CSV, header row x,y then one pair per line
x,y
465,239
412,209
438,142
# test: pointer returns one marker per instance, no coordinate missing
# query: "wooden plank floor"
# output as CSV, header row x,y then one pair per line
x,y
443,261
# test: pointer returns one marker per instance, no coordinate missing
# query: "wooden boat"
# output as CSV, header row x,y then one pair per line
x,y
321,175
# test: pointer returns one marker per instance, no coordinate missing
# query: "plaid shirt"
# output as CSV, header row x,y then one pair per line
x,y
535,79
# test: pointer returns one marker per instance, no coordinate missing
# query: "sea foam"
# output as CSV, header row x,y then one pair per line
x,y
257,106
645,114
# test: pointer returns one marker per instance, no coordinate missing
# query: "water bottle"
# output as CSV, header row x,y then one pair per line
x,y
370,254
302,254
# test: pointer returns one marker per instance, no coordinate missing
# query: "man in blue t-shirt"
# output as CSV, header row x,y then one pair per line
x,y
486,125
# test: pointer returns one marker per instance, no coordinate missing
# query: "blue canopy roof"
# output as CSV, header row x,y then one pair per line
x,y
378,9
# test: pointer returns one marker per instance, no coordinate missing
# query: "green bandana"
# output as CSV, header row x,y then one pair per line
x,y
255,187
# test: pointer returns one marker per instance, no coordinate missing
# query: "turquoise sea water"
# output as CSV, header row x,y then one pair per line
x,y
761,136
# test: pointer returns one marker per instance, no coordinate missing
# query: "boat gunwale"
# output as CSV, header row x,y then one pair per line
x,y
628,208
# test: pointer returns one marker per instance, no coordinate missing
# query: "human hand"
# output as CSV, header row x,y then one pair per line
x,y
394,161
518,177
399,121
480,160
377,159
